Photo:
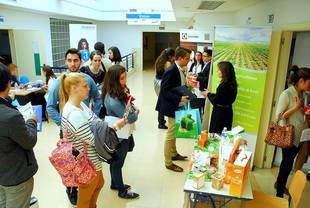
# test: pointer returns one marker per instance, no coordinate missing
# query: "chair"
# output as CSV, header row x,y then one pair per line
x,y
24,79
296,189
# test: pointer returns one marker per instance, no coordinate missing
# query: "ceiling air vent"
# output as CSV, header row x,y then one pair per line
x,y
210,5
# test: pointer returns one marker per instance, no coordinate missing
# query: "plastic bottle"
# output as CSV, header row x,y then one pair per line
x,y
224,134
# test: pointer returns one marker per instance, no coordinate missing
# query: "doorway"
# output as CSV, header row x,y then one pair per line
x,y
154,43
5,49
298,55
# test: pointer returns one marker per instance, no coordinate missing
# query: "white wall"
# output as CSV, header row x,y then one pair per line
x,y
128,38
19,20
285,12
207,22
302,50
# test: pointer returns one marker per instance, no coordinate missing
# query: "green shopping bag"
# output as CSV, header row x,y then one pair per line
x,y
187,123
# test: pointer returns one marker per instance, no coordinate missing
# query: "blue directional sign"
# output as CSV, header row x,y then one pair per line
x,y
143,16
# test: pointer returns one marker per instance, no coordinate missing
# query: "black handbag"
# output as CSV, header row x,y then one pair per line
x,y
131,144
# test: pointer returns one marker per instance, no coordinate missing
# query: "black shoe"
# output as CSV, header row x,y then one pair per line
x,y
72,194
162,126
126,186
128,195
285,189
179,157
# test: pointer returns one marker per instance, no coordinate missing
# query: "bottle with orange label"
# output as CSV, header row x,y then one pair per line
x,y
203,139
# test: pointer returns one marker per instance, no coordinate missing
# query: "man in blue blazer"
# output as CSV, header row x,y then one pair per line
x,y
169,101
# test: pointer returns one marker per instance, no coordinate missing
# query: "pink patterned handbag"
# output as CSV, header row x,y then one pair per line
x,y
74,171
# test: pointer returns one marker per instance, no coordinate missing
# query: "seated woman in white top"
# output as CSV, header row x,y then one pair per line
x,y
76,118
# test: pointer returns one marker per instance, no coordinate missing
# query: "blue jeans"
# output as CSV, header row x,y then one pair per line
x,y
16,196
117,165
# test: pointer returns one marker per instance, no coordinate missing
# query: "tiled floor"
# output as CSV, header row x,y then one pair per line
x,y
144,168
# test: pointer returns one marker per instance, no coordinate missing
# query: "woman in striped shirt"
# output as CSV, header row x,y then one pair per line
x,y
76,117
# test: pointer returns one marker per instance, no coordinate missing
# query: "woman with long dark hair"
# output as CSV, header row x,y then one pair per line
x,y
115,94
114,55
197,66
290,111
222,100
162,63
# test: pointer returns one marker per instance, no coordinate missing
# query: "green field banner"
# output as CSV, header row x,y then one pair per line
x,y
247,48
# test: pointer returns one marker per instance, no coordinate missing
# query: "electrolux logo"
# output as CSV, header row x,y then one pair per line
x,y
184,36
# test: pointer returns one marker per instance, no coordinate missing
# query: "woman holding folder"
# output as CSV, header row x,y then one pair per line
x,y
117,100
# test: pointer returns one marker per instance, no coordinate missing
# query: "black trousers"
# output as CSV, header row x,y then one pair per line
x,y
288,156
161,119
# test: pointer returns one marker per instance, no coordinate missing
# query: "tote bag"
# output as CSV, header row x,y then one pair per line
x,y
280,136
187,123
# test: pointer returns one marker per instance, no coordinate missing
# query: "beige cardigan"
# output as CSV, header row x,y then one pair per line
x,y
286,101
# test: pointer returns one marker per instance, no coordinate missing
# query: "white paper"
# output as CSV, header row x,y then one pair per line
x,y
121,133
26,111
305,135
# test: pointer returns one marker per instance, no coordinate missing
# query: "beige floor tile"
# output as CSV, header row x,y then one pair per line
x,y
144,167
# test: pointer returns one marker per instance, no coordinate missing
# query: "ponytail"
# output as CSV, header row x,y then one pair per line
x,y
63,93
66,82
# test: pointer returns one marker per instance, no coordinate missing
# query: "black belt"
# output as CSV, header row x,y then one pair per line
x,y
223,106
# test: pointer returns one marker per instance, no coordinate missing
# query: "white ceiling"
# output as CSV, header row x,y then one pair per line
x,y
186,9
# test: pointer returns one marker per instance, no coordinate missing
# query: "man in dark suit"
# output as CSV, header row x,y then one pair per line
x,y
203,76
169,101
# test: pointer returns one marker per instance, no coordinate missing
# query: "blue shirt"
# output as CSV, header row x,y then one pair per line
x,y
53,99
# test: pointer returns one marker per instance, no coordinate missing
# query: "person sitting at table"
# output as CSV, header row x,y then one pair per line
x,y
13,70
50,78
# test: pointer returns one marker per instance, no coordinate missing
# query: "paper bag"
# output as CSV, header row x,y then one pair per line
x,y
240,172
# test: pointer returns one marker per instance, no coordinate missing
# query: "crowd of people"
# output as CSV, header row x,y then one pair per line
x,y
87,92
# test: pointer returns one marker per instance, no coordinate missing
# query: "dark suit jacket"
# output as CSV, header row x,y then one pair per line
x,y
168,100
203,77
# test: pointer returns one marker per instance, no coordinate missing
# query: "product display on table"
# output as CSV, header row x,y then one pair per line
x,y
221,160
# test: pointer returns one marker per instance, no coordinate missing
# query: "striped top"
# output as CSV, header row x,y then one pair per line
x,y
78,124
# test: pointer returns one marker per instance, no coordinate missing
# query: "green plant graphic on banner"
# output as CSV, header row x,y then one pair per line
x,y
247,48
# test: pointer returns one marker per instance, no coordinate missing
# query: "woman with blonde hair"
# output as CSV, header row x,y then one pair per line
x,y
76,118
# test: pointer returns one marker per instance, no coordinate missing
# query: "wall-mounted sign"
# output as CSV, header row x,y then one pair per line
x,y
143,18
194,36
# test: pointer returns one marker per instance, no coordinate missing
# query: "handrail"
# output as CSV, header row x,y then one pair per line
x,y
128,61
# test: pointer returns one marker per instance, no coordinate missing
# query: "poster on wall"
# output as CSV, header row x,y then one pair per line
x,y
83,37
247,48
